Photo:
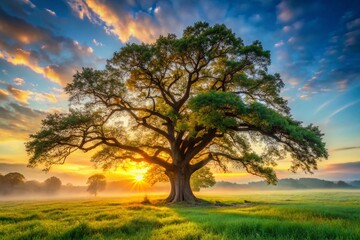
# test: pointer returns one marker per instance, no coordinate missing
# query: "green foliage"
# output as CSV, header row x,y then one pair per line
x,y
154,175
202,178
216,110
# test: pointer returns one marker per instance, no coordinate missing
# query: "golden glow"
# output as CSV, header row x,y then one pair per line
x,y
139,178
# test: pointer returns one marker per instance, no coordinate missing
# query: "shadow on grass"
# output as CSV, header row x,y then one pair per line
x,y
136,226
16,219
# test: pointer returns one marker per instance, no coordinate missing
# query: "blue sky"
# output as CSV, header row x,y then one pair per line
x,y
315,46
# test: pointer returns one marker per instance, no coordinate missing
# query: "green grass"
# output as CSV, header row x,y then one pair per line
x,y
268,215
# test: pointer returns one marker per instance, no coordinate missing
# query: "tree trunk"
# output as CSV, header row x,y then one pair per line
x,y
180,187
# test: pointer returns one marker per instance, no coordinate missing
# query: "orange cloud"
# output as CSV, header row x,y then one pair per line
x,y
44,97
125,26
3,94
120,22
54,73
20,95
24,96
82,10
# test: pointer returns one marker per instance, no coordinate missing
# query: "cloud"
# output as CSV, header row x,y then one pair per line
x,y
323,105
328,42
24,96
353,24
347,171
28,2
17,122
82,10
53,57
124,25
50,11
56,73
20,95
279,44
293,81
285,13
342,85
138,20
44,97
304,96
98,44
3,95
345,148
19,81
337,111
344,167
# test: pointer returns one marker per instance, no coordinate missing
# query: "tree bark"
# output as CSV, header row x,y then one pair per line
x,y
180,187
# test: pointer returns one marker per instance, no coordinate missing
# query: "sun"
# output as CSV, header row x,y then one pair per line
x,y
139,178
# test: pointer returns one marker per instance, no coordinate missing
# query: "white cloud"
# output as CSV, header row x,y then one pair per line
x,y
291,40
322,106
28,2
304,96
50,11
337,111
19,81
98,44
279,44
285,13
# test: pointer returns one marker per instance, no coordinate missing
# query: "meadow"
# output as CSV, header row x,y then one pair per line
x,y
249,215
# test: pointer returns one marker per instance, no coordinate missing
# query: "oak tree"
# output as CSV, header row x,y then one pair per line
x,y
181,103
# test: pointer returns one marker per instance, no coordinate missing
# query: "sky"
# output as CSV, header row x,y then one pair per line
x,y
315,46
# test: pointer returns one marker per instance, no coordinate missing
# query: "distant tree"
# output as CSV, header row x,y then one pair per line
x,y
11,182
342,184
97,183
2,184
33,186
355,183
202,178
52,184
14,178
181,103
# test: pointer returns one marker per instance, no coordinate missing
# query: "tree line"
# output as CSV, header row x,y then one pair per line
x,y
290,183
15,183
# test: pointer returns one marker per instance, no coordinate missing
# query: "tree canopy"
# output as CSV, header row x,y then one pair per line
x,y
97,183
181,103
52,184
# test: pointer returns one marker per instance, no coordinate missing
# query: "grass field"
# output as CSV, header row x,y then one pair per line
x,y
266,215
